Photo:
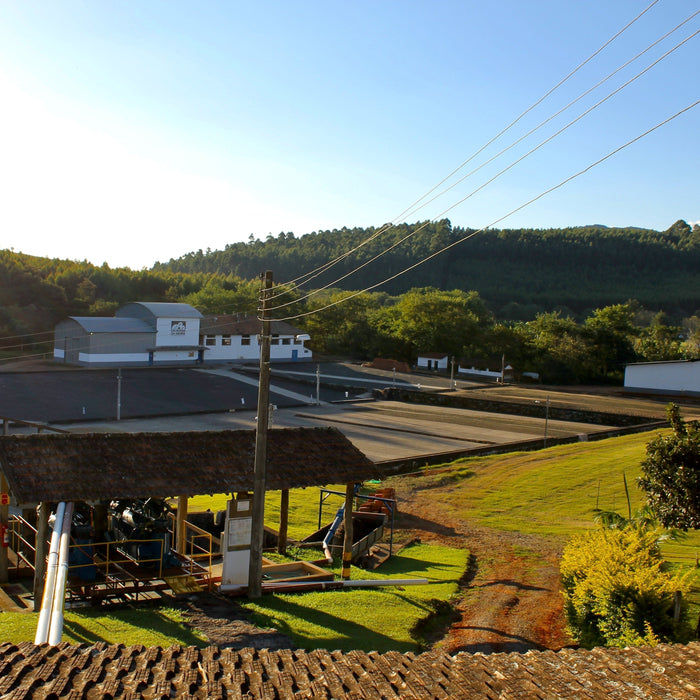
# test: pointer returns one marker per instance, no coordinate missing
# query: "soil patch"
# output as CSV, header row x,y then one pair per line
x,y
226,624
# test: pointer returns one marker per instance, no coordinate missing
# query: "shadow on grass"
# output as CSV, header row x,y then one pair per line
x,y
91,626
345,635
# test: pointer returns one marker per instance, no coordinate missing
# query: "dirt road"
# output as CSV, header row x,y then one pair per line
x,y
511,597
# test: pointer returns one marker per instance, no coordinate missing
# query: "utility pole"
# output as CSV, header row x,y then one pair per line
x,y
318,385
258,514
546,420
453,386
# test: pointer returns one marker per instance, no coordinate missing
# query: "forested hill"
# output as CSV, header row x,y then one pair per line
x,y
513,270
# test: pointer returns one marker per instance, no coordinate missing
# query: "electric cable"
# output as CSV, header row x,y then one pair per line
x,y
496,176
307,277
498,220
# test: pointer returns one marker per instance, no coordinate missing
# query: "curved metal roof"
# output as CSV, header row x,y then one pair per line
x,y
158,309
103,324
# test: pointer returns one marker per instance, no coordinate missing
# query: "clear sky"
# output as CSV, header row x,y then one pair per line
x,y
136,131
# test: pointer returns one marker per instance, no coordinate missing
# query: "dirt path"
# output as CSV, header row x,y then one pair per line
x,y
511,597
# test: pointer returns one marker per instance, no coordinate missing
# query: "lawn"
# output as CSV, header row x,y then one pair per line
x,y
150,626
381,619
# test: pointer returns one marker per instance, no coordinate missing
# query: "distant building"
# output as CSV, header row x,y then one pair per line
x,y
668,377
142,333
234,338
432,360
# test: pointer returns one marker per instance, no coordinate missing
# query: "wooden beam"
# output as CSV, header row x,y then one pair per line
x,y
347,541
180,543
284,521
42,533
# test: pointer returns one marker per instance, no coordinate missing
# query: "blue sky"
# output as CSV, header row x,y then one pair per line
x,y
138,131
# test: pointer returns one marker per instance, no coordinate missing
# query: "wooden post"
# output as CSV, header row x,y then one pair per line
x,y
42,533
284,520
4,523
260,476
347,541
180,536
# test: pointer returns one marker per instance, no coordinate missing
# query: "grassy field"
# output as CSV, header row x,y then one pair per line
x,y
162,626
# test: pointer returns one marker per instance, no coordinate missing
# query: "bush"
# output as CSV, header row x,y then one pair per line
x,y
616,590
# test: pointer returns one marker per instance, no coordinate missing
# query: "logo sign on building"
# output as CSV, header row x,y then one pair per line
x,y
178,327
4,499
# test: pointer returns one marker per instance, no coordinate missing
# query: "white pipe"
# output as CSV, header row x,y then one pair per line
x,y
56,624
42,627
334,585
386,582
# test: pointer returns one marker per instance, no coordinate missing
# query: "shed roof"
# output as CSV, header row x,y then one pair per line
x,y
118,671
100,466
104,324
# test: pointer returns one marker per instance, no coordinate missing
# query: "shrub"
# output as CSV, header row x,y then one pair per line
x,y
616,590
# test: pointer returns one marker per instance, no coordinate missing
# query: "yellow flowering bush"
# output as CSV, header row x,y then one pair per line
x,y
617,590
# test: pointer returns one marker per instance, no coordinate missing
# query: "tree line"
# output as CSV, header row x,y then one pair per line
x,y
558,343
519,272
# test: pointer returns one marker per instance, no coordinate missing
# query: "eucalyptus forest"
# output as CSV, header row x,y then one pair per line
x,y
573,305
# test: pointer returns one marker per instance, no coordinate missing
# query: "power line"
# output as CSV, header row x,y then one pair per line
x,y
497,175
307,277
496,221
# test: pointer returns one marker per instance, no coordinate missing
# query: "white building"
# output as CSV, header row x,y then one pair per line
x,y
433,360
144,333
234,338
140,333
669,377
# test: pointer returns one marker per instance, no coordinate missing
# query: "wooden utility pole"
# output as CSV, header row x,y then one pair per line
x,y
42,532
258,514
348,539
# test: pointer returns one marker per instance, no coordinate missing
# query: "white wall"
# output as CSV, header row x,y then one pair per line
x,y
423,362
177,331
236,351
113,358
682,377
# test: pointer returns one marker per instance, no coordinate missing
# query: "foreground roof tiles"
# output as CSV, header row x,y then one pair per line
x,y
116,671
98,466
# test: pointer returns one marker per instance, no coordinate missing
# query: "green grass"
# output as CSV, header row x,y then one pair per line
x,y
380,619
303,508
553,492
162,626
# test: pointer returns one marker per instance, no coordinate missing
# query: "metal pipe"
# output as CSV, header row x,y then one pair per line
x,y
303,586
42,627
56,624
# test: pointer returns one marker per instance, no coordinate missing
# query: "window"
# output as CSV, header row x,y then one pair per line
x,y
286,341
275,340
226,340
210,340
245,340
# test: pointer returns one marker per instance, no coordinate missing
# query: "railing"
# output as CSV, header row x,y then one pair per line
x,y
19,544
193,534
112,560
40,427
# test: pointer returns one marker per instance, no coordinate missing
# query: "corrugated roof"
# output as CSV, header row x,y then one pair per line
x,y
160,309
114,671
99,466
103,324
248,325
